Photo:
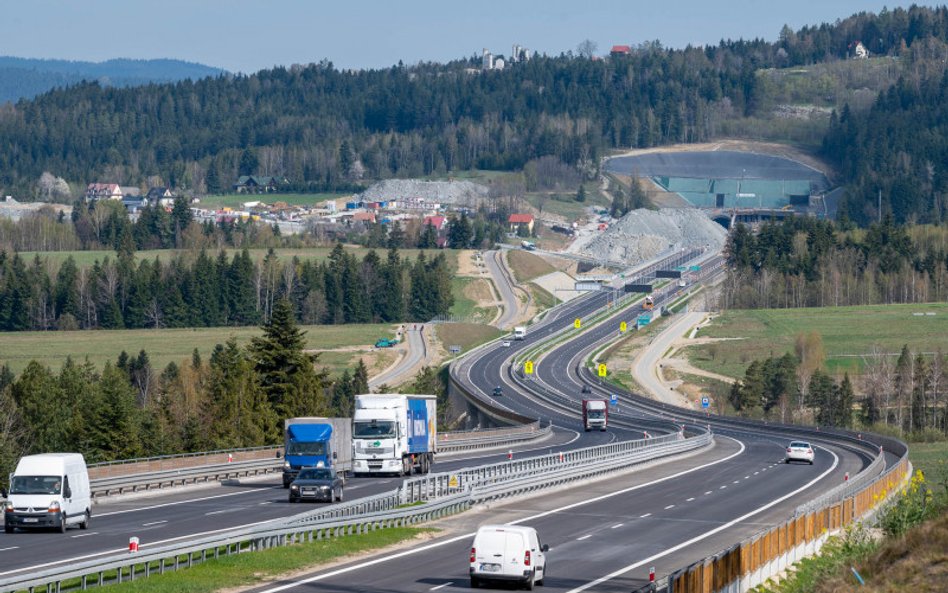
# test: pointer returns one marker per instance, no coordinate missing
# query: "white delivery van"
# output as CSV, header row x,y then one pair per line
x,y
48,490
509,553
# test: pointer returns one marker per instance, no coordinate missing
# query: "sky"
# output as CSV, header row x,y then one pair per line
x,y
246,36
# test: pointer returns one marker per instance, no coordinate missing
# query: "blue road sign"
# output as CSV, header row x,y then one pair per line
x,y
614,400
705,402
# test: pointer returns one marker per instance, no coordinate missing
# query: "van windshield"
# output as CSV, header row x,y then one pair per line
x,y
374,430
596,413
36,485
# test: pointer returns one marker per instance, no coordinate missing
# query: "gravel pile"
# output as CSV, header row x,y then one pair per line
x,y
642,234
446,192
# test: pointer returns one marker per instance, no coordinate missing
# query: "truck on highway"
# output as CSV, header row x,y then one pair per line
x,y
316,442
649,303
394,433
49,490
595,414
520,332
528,245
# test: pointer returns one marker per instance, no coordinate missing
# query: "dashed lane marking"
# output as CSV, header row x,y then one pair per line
x,y
579,539
671,506
645,515
84,534
441,586
154,523
616,526
690,499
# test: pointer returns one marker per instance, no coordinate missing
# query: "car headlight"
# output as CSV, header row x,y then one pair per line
x,y
8,507
54,507
294,487
286,465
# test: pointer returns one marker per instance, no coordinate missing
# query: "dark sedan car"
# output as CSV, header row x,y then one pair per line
x,y
316,483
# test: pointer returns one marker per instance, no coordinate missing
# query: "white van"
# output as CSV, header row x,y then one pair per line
x,y
48,490
508,553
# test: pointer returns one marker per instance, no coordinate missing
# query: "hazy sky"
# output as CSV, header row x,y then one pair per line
x,y
245,36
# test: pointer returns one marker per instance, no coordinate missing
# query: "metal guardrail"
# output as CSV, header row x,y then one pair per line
x,y
154,480
438,495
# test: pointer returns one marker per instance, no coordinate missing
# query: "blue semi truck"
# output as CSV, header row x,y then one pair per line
x,y
314,442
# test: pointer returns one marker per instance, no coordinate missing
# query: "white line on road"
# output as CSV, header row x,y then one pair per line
x,y
154,523
265,502
84,534
441,586
438,544
755,473
616,526
706,534
736,482
10,548
723,487
169,504
671,506
708,492
690,499
579,539
645,515
222,511
747,477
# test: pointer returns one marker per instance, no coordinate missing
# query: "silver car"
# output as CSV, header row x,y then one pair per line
x,y
799,451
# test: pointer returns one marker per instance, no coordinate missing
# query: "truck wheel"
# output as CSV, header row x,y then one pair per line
x,y
85,522
475,583
339,498
529,584
406,466
7,528
62,526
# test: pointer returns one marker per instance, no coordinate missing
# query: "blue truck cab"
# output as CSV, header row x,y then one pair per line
x,y
316,442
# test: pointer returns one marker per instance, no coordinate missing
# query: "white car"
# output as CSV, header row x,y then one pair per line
x,y
505,344
799,451
508,553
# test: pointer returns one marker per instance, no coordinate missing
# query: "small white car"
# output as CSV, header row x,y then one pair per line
x,y
508,553
505,344
799,451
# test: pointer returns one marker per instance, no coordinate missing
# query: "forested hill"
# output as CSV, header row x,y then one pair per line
x,y
323,128
24,78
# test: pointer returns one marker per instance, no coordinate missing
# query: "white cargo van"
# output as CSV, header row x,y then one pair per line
x,y
509,553
48,490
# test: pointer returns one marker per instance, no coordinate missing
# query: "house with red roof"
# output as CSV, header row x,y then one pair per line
x,y
366,217
438,222
620,50
518,220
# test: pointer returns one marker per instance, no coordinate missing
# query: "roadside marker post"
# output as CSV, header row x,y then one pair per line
x,y
132,545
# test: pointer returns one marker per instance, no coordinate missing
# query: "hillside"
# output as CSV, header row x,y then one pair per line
x,y
24,78
325,129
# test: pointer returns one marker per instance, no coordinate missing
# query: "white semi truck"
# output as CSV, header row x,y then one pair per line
x,y
394,433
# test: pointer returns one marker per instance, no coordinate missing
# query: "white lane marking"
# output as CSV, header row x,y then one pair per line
x,y
755,473
438,544
10,548
671,506
690,499
84,534
154,523
736,482
645,515
222,511
271,502
169,504
441,586
747,477
723,487
708,492
113,551
616,526
579,539
706,534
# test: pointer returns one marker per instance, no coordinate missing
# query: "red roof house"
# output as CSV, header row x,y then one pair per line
x,y
516,220
620,50
438,222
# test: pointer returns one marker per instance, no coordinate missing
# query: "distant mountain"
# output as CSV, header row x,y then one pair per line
x,y
24,78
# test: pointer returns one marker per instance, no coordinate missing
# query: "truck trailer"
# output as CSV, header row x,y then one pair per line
x,y
595,414
394,433
315,442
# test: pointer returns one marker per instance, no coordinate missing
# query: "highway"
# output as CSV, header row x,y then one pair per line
x,y
415,355
604,534
493,260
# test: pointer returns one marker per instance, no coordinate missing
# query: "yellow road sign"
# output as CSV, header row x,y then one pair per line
x,y
623,326
602,369
578,323
453,482
528,367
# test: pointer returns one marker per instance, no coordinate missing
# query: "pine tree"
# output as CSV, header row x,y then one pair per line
x,y
212,179
844,401
581,194
428,239
286,373
360,378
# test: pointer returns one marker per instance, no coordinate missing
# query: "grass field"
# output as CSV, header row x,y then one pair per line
x,y
465,335
172,345
931,458
847,333
469,295
248,570
236,201
87,258
527,266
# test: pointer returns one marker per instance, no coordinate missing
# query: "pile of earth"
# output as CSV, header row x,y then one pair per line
x,y
463,193
643,234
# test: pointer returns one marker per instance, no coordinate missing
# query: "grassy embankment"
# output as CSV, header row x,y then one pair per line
x,y
176,345
236,201
527,266
257,568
